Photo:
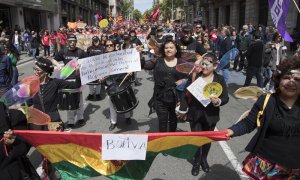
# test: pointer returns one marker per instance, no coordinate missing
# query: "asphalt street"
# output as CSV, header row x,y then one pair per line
x,y
224,166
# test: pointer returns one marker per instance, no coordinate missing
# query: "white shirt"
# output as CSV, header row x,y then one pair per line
x,y
16,39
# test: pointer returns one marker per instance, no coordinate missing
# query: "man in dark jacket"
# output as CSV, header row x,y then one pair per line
x,y
255,61
189,45
225,46
243,42
34,43
5,71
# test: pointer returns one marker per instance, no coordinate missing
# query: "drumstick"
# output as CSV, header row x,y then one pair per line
x,y
124,79
192,70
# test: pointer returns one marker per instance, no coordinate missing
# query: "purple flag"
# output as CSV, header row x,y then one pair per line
x,y
279,9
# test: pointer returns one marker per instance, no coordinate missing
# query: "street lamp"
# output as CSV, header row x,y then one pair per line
x,y
172,15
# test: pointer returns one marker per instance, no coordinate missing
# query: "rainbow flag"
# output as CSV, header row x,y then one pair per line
x,y
79,155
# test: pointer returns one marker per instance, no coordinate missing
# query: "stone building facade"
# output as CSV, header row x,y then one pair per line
x,y
236,13
49,14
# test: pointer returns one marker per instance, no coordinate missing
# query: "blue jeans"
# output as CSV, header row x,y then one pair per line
x,y
17,46
225,73
254,71
268,77
33,50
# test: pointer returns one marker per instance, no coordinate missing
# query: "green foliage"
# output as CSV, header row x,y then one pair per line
x,y
126,7
166,8
137,14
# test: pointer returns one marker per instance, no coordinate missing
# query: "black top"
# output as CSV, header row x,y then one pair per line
x,y
160,40
191,46
283,137
225,46
211,112
255,54
267,132
95,50
164,81
49,94
136,41
67,55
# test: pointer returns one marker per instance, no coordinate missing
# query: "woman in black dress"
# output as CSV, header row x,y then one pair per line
x,y
166,97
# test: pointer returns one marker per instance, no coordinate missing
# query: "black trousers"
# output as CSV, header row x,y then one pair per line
x,y
46,50
166,116
198,122
241,62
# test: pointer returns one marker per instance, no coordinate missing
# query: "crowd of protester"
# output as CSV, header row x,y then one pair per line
x,y
262,53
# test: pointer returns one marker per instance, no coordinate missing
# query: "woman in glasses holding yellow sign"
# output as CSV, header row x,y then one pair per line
x,y
204,110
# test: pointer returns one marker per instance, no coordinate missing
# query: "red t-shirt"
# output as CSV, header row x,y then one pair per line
x,y
46,40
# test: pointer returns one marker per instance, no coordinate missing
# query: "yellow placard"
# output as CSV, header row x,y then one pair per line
x,y
103,23
213,89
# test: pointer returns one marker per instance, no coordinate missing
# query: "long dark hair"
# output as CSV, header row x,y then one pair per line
x,y
162,48
12,49
283,68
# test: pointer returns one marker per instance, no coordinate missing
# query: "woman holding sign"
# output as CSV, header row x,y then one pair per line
x,y
166,78
204,117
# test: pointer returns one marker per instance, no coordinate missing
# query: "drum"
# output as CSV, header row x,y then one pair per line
x,y
123,97
95,88
69,99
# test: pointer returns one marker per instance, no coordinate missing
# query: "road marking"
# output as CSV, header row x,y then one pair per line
x,y
23,64
232,158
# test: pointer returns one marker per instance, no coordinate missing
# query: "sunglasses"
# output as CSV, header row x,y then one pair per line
x,y
72,41
109,45
205,36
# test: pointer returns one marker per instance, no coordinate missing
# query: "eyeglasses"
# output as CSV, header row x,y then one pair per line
x,y
109,45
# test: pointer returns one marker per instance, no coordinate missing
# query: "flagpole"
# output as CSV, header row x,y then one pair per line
x,y
296,5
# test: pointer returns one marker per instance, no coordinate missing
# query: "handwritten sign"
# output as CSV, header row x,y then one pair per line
x,y
85,40
124,146
196,89
117,62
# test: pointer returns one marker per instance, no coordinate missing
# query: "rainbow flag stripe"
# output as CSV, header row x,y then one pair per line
x,y
79,155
